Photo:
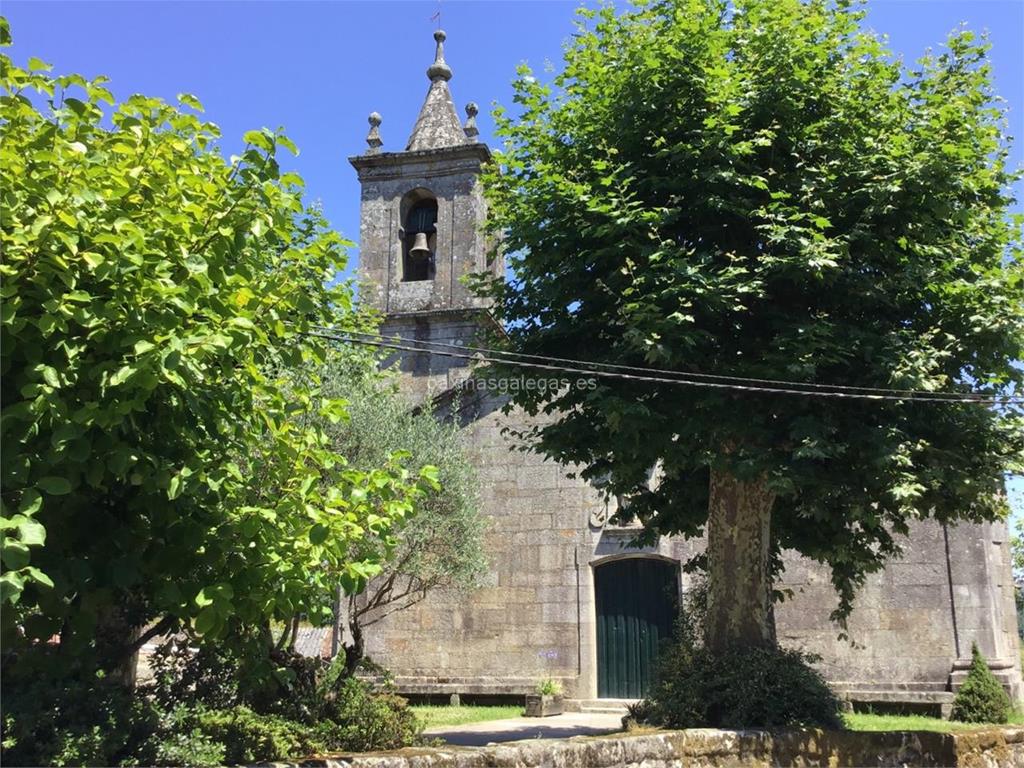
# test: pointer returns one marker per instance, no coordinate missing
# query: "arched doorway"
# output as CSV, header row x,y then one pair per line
x,y
637,600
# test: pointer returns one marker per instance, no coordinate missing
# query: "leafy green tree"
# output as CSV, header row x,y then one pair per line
x,y
1015,499
154,298
759,189
441,547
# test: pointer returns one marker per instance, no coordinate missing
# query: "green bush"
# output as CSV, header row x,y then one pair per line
x,y
741,688
84,720
981,699
360,719
205,708
207,675
249,737
190,747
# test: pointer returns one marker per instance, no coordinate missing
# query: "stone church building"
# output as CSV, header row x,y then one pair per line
x,y
567,597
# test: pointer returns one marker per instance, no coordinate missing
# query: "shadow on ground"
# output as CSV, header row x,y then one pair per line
x,y
517,729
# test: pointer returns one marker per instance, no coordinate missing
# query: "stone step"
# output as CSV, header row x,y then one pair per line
x,y
605,706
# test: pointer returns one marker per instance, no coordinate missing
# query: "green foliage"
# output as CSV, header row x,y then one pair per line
x,y
70,720
760,189
361,719
206,706
210,675
549,687
1017,546
740,687
981,698
184,743
331,710
441,546
696,687
157,462
249,737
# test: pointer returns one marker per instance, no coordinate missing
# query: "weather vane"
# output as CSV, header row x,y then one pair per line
x,y
437,16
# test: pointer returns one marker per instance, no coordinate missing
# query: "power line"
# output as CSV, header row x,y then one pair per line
x,y
687,374
913,396
908,393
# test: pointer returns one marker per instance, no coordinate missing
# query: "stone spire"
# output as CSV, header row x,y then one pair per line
x,y
438,124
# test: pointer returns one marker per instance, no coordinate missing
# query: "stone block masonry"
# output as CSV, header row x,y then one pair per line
x,y
707,748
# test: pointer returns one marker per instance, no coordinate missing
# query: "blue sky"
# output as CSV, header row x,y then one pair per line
x,y
319,68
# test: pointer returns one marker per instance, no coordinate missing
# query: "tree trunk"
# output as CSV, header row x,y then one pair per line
x,y
739,577
115,634
337,628
354,651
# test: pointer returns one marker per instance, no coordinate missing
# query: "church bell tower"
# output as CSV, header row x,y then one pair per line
x,y
421,217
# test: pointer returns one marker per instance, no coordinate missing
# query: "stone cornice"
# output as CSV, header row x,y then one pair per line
x,y
425,163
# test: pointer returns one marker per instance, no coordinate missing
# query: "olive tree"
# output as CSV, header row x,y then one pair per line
x,y
760,189
441,546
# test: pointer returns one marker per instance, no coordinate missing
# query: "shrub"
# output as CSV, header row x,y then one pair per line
x,y
180,741
205,708
362,719
981,699
205,675
330,711
249,737
740,688
84,720
638,713
696,687
189,748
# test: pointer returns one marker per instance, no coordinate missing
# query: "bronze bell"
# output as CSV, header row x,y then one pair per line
x,y
420,247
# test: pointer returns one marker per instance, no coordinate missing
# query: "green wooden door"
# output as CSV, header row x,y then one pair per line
x,y
637,600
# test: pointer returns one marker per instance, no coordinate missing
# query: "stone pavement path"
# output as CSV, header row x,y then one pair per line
x,y
518,728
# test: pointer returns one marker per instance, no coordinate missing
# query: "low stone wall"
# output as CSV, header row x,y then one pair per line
x,y
707,748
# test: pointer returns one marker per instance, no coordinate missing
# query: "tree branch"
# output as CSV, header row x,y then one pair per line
x,y
157,629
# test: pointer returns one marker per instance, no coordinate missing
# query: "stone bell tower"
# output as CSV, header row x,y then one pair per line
x,y
420,232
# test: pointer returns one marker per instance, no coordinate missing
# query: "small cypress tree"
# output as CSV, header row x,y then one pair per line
x,y
981,698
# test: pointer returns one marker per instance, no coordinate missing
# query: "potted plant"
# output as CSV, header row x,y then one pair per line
x,y
546,701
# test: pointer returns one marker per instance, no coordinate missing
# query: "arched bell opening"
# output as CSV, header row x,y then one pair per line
x,y
419,235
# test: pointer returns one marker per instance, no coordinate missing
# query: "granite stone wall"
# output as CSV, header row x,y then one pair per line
x,y
449,175
706,748
534,617
915,621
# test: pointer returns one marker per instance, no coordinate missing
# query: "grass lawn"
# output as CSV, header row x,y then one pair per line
x,y
870,722
435,716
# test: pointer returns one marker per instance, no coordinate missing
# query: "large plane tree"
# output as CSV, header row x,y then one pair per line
x,y
760,189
